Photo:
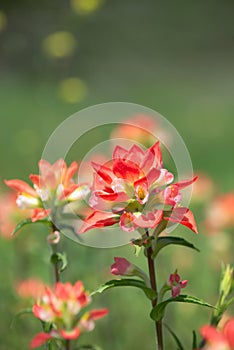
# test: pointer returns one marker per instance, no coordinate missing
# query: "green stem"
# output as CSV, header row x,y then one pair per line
x,y
67,345
153,281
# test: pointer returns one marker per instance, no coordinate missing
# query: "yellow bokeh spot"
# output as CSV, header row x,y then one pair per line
x,y
85,6
3,21
72,90
59,44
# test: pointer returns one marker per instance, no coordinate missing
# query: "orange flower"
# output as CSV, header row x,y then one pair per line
x,y
61,307
53,188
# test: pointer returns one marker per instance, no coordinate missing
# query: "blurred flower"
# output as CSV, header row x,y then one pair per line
x,y
141,128
30,288
53,237
54,188
9,214
219,340
72,90
61,307
204,188
3,21
85,6
59,44
176,284
220,213
136,188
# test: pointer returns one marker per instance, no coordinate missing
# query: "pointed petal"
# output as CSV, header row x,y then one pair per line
x,y
103,171
185,183
211,335
69,173
21,187
39,214
39,339
184,216
155,149
98,219
119,153
95,314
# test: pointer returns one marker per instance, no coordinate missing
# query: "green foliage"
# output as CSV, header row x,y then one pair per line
x,y
127,282
28,221
59,259
158,311
163,242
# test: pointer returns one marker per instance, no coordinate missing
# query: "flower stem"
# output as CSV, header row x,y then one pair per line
x,y
67,344
153,281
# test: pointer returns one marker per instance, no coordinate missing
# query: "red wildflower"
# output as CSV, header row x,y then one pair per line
x,y
133,189
52,188
61,308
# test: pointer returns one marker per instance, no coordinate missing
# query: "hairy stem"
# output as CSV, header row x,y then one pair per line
x,y
153,281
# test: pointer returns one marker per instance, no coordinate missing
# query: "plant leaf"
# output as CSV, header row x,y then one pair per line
x,y
174,336
165,241
28,221
158,311
19,314
127,282
59,258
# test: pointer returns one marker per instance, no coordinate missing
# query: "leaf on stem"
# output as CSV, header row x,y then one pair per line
x,y
28,221
19,314
158,311
127,282
174,336
165,241
59,258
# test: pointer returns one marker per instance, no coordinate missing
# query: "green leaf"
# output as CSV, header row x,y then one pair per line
x,y
28,221
194,345
128,282
174,336
158,311
165,241
19,314
59,258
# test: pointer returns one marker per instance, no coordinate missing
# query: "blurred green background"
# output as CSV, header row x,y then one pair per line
x,y
57,57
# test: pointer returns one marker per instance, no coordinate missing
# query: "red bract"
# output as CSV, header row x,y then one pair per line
x,y
52,188
133,189
176,284
219,340
61,307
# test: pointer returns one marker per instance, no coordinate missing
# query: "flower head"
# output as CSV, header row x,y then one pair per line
x,y
176,284
134,189
62,307
53,188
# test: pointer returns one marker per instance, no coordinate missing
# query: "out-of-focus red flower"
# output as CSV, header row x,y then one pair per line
x,y
220,213
9,214
219,340
30,288
176,284
141,128
61,307
204,188
54,187
134,189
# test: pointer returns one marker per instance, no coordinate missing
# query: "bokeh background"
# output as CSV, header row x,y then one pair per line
x,y
57,57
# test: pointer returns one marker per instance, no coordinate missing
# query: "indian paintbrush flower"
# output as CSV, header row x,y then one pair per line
x,y
62,308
